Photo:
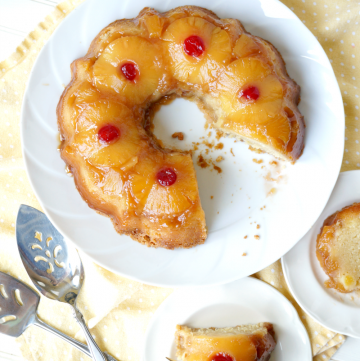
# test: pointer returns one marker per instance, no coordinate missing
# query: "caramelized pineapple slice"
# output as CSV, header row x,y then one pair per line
x,y
130,68
83,94
164,184
106,134
252,98
196,49
246,46
154,25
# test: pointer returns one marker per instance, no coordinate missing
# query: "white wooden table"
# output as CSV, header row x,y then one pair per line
x,y
17,19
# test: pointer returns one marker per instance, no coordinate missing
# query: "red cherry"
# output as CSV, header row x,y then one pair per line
x,y
108,133
221,356
250,93
194,46
129,70
166,177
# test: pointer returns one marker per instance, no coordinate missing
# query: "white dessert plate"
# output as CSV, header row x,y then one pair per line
x,y
293,195
244,301
339,312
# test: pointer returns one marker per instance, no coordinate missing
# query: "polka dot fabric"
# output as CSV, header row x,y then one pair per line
x,y
118,310
336,25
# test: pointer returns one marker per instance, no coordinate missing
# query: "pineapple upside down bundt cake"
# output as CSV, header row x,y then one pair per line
x,y
120,169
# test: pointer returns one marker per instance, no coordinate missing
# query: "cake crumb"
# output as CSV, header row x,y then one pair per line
x,y
258,226
258,161
207,144
219,134
271,192
269,178
217,212
231,151
274,163
178,135
218,169
219,146
212,197
209,134
257,237
244,254
255,150
202,162
245,237
219,158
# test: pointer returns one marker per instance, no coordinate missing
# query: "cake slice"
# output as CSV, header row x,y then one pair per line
x,y
240,343
338,249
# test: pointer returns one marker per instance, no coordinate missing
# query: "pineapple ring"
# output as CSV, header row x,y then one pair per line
x,y
262,119
245,73
146,57
113,154
205,68
156,199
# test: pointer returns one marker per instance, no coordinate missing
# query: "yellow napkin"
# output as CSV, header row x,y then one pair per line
x,y
117,309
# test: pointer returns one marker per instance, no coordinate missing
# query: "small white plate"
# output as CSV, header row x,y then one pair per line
x,y
245,301
337,311
239,193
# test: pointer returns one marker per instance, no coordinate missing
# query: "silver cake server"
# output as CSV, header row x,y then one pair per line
x,y
18,311
54,266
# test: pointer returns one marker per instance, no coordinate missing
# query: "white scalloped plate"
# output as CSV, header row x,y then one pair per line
x,y
337,311
244,301
239,192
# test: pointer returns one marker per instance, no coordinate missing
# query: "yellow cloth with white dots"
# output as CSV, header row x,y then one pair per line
x,y
119,320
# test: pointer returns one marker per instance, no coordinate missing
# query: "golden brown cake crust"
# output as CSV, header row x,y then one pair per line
x,y
337,249
182,227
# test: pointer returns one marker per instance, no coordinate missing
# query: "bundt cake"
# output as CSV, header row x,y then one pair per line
x,y
338,249
120,169
240,343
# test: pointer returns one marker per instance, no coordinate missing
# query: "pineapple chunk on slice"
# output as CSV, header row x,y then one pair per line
x,y
246,46
111,182
145,56
200,69
156,199
154,25
115,153
86,93
81,95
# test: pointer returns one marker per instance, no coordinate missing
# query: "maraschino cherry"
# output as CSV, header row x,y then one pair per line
x,y
194,46
129,71
221,356
166,177
251,93
108,133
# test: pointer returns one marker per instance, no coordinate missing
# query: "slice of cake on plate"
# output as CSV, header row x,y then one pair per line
x,y
253,342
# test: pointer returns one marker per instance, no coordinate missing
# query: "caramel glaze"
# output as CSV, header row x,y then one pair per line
x,y
264,345
185,229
